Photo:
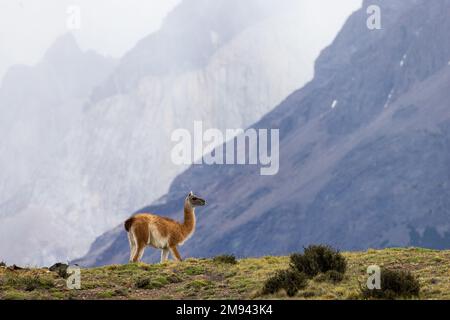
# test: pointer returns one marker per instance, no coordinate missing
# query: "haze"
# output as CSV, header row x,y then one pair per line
x,y
110,27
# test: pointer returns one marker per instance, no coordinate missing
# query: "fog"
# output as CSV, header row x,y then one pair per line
x,y
110,27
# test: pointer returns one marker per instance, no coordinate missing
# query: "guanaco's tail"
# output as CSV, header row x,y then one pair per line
x,y
128,223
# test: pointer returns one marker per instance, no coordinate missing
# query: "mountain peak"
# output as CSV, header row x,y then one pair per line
x,y
64,46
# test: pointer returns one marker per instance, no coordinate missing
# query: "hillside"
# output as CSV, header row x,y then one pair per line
x,y
207,279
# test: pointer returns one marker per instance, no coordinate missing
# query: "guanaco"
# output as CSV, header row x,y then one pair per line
x,y
163,233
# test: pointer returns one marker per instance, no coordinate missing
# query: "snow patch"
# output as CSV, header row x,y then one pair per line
x,y
402,62
389,99
334,104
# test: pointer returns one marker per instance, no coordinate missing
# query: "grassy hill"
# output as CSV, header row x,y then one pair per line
x,y
212,279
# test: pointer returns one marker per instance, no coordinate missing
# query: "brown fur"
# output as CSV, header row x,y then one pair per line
x,y
146,229
128,223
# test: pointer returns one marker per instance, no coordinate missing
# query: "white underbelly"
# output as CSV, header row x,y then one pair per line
x,y
156,240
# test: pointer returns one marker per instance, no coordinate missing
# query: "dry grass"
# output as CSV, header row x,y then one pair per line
x,y
209,279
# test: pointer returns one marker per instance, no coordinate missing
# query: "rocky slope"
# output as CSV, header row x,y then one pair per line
x,y
364,152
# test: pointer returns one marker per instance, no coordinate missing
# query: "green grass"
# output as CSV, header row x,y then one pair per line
x,y
211,279
108,294
14,295
27,282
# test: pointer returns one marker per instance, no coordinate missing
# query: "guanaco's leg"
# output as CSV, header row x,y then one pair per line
x,y
175,253
141,238
164,255
139,253
133,245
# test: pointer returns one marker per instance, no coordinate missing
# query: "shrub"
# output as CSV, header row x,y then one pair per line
x,y
148,283
121,292
318,259
60,269
225,258
289,280
394,284
173,278
330,276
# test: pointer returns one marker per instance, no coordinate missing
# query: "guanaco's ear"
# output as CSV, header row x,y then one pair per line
x,y
191,193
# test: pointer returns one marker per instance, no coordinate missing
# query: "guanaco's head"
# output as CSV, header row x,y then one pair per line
x,y
194,200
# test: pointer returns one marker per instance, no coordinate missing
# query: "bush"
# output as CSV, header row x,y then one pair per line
x,y
394,284
60,269
150,283
289,280
144,283
121,292
330,276
225,258
318,259
173,278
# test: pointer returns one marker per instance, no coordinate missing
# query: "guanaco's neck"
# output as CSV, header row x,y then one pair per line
x,y
189,218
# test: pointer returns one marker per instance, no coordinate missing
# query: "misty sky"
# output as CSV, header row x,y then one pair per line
x,y
110,27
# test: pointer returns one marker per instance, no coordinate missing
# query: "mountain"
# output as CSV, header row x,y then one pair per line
x,y
39,106
364,152
226,63
37,103
189,38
